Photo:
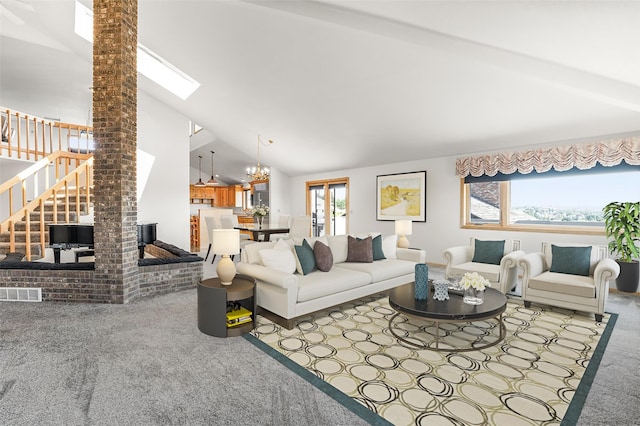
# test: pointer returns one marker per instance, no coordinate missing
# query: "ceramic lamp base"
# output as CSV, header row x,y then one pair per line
x,y
226,270
403,242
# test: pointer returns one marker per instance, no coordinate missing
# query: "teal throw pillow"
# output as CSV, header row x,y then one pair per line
x,y
305,259
376,245
570,260
490,252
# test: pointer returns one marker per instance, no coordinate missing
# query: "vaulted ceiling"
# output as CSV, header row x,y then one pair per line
x,y
344,84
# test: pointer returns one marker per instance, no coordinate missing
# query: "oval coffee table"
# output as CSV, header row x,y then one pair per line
x,y
403,300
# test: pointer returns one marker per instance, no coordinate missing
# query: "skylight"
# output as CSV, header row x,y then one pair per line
x,y
150,64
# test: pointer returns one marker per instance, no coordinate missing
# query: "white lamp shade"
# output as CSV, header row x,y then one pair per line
x,y
225,241
403,227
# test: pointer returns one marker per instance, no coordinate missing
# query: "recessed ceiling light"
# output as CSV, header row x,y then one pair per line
x,y
150,64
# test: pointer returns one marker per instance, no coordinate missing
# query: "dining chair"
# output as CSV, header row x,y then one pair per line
x,y
210,221
300,227
284,221
230,221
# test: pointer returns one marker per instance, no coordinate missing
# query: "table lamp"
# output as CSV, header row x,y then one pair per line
x,y
226,242
403,228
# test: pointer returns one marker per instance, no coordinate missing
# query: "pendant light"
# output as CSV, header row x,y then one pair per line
x,y
212,181
199,182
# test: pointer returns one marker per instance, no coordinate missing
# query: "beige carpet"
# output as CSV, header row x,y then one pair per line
x,y
530,378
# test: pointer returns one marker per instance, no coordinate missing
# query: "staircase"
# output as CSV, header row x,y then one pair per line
x,y
24,223
38,233
57,182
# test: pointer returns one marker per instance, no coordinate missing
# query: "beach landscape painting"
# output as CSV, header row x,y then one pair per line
x,y
402,196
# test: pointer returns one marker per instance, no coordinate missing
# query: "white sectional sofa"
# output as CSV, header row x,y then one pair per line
x,y
290,295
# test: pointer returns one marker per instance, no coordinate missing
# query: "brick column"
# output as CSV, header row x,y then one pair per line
x,y
115,39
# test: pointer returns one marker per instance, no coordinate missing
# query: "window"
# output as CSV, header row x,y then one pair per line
x,y
194,128
328,206
149,63
547,202
81,142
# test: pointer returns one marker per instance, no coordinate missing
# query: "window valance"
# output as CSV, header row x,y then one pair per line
x,y
561,158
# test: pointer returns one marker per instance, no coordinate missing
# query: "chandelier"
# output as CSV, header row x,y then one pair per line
x,y
259,172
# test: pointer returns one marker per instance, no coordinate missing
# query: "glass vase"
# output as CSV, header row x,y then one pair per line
x,y
259,221
473,296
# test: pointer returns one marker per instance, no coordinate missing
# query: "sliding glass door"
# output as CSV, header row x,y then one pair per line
x,y
327,204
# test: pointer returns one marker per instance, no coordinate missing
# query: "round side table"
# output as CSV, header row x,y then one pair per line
x,y
212,305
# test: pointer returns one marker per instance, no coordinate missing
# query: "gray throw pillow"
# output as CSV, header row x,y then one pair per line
x,y
305,260
376,245
359,250
323,256
570,260
490,252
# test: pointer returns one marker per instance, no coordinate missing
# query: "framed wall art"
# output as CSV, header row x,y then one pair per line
x,y
402,196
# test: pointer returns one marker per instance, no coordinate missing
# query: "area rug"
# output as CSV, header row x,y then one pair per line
x,y
539,374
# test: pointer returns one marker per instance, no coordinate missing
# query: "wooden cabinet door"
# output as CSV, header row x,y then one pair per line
x,y
220,196
231,196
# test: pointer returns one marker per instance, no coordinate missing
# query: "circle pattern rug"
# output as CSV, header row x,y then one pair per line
x,y
529,378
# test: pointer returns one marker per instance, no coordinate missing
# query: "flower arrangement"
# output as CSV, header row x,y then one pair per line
x,y
260,210
474,280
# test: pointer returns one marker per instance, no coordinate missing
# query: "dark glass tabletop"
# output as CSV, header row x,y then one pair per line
x,y
403,299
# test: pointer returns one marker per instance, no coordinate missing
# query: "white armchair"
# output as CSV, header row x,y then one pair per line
x,y
502,274
562,288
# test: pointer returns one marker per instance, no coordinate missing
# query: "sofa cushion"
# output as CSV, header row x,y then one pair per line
x,y
376,247
323,256
570,260
359,249
252,251
488,252
389,246
319,284
339,248
279,258
381,270
487,270
556,282
305,260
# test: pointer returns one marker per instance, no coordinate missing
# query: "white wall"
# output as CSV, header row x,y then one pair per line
x,y
8,169
162,132
280,196
442,228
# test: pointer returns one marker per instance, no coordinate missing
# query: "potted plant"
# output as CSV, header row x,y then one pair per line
x,y
622,225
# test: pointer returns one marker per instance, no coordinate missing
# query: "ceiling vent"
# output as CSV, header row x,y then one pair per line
x,y
17,294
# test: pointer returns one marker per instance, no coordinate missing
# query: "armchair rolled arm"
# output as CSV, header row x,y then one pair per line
x,y
606,269
510,260
532,265
457,256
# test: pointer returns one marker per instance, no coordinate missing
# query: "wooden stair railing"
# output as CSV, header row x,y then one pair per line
x,y
31,138
81,175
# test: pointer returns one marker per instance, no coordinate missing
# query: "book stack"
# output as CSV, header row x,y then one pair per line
x,y
238,316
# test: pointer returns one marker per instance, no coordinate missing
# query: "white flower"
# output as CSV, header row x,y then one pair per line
x,y
259,210
474,280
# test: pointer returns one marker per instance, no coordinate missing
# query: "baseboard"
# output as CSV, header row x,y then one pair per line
x,y
615,290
